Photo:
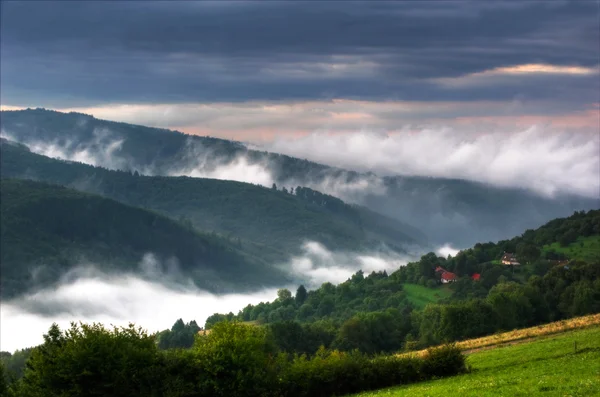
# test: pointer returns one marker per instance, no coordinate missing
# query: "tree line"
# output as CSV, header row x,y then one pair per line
x,y
234,359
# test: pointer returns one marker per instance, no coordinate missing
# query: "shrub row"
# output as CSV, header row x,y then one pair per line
x,y
233,360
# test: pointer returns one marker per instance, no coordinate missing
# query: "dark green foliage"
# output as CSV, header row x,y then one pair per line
x,y
294,337
273,222
372,314
564,292
14,364
180,375
89,360
334,373
443,361
236,360
301,295
58,227
4,381
233,360
180,336
527,247
358,294
373,332
528,252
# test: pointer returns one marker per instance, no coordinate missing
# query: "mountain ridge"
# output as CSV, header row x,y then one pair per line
x,y
455,211
274,220
48,230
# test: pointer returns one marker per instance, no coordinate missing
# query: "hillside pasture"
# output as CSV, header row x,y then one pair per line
x,y
586,249
420,296
524,334
561,365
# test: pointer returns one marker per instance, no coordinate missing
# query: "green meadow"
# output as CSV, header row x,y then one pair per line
x,y
585,248
563,365
420,296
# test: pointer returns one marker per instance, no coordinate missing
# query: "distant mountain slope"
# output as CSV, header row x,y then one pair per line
x,y
46,230
270,223
446,210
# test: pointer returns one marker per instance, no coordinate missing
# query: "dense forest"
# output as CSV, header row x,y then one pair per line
x,y
374,313
446,210
270,223
47,230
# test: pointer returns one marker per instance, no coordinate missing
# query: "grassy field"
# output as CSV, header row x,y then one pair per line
x,y
420,296
557,327
567,364
585,248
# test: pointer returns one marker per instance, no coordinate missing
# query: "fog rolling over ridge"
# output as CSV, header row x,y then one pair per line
x,y
158,295
456,190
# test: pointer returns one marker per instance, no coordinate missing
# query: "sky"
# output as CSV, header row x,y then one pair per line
x,y
262,71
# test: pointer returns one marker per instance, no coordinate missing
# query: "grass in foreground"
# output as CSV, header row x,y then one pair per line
x,y
545,367
585,249
420,296
522,334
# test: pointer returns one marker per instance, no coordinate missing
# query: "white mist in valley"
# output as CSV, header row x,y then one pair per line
x,y
88,295
113,300
317,265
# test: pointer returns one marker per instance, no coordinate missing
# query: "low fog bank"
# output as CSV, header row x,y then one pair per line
x,y
317,265
154,300
112,300
544,161
103,149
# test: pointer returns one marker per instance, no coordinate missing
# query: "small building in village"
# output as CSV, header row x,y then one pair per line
x,y
445,276
509,259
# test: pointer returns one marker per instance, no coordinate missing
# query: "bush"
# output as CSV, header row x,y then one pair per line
x,y
89,360
236,360
386,371
3,381
181,375
334,373
443,361
328,373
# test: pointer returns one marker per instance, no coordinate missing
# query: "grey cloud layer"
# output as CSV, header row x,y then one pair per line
x,y
71,53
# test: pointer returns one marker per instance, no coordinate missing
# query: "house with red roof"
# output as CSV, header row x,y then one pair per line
x,y
476,277
445,276
448,277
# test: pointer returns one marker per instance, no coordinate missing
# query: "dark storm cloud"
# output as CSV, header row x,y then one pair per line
x,y
90,52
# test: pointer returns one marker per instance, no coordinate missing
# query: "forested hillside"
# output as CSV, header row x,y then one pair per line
x,y
453,211
375,312
271,223
47,230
